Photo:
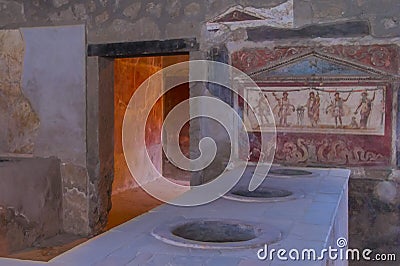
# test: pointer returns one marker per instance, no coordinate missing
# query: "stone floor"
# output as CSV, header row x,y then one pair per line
x,y
49,248
129,204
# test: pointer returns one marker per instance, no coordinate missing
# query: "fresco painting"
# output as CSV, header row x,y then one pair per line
x,y
333,110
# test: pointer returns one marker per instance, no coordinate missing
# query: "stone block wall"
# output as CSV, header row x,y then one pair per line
x,y
30,201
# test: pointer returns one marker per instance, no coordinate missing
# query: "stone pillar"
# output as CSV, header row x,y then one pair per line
x,y
100,132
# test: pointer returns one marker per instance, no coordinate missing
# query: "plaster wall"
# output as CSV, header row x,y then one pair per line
x,y
55,83
44,107
130,73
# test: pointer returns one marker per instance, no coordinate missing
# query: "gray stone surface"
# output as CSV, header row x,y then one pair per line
x,y
100,19
303,14
132,242
383,16
100,156
132,11
180,29
55,83
80,11
12,12
154,9
75,206
373,211
63,16
385,25
192,9
16,232
173,8
59,3
386,191
30,201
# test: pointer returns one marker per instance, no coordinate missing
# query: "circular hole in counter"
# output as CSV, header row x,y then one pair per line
x,y
215,231
289,172
263,193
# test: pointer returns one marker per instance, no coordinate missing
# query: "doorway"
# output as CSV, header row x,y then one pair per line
x,y
128,199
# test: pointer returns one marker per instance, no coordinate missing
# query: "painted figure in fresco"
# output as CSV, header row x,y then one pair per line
x,y
262,109
284,107
382,112
336,108
312,105
300,115
365,107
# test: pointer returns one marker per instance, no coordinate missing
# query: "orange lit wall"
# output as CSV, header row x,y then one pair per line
x,y
129,74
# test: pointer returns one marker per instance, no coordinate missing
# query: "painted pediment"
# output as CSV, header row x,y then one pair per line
x,y
238,15
316,65
280,16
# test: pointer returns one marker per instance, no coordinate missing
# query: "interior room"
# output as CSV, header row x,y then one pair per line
x,y
128,76
208,133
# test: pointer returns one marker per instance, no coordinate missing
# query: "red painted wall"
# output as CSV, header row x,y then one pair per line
x,y
324,148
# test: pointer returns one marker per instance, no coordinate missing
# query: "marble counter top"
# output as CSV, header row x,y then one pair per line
x,y
308,222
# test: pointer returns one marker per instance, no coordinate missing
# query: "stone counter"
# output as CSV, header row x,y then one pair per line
x,y
315,220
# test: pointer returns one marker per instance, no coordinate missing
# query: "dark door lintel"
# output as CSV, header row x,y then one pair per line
x,y
144,48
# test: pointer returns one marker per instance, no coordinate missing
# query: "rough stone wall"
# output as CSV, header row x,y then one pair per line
x,y
382,15
124,20
374,216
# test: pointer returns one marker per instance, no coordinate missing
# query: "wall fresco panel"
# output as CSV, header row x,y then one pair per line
x,y
326,115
